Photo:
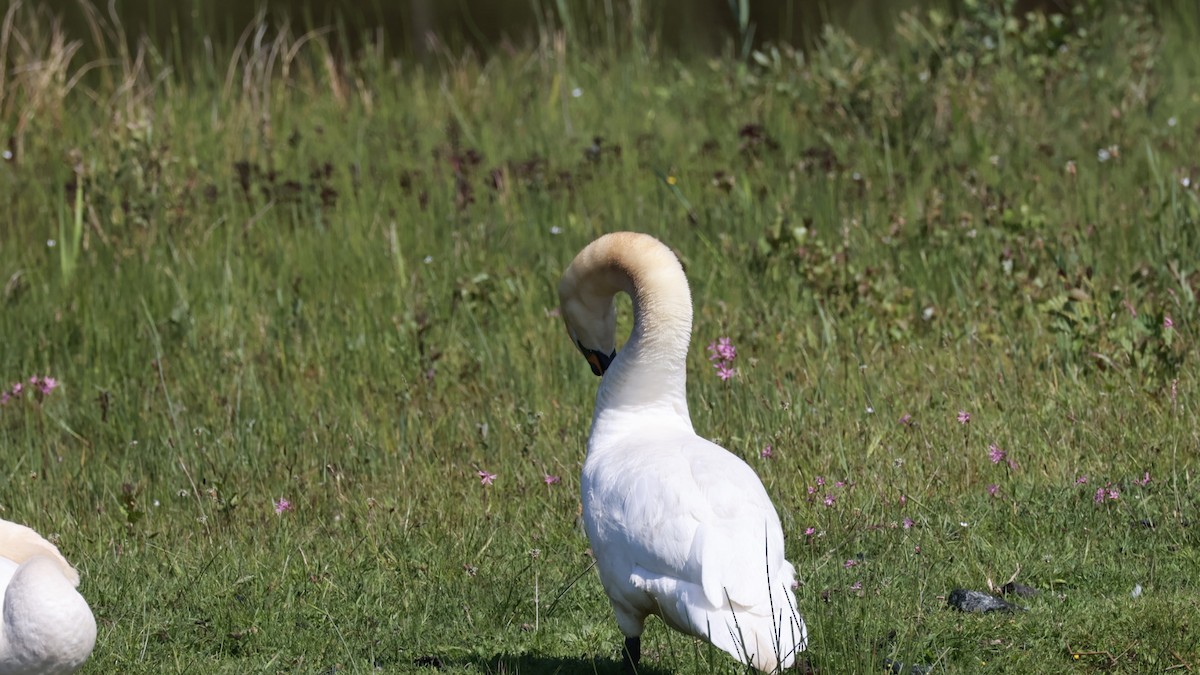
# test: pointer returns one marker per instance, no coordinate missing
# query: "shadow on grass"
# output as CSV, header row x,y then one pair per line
x,y
531,664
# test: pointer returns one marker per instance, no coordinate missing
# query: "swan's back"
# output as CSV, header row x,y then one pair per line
x,y
683,529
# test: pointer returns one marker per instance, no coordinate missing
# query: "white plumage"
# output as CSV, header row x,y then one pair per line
x,y
46,627
680,527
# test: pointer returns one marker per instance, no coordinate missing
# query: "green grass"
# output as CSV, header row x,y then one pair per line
x,y
358,318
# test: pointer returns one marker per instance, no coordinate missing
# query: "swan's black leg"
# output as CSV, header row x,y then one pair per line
x,y
631,655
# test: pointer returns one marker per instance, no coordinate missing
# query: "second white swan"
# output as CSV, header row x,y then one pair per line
x,y
680,527
47,627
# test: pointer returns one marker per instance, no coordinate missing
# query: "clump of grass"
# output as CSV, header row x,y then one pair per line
x,y
320,412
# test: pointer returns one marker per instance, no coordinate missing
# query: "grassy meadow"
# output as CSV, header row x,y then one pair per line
x,y
299,299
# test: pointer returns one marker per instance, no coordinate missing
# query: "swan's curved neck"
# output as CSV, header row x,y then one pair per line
x,y
650,370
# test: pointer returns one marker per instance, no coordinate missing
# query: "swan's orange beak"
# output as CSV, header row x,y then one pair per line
x,y
598,360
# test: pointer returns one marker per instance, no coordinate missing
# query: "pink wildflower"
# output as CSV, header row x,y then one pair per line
x,y
850,563
1144,481
908,523
722,353
820,480
829,500
282,505
17,388
810,531
549,478
856,586
995,453
993,489
906,419
1167,322
963,417
4,397
722,350
485,478
767,452
1082,479
1106,492
47,384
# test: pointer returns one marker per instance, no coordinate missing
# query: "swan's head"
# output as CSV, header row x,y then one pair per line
x,y
585,295
592,330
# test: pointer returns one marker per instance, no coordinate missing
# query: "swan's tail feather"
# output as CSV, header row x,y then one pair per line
x,y
765,637
765,642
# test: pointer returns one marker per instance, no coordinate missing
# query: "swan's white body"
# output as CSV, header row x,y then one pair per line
x,y
680,527
46,627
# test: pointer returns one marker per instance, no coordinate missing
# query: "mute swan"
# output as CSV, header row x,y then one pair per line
x,y
679,526
47,627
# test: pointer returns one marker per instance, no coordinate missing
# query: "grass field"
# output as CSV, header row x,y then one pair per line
x,y
297,301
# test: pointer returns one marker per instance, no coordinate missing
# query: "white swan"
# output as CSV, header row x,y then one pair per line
x,y
47,627
679,527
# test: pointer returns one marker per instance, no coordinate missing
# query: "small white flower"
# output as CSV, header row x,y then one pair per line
x,y
870,410
554,229
7,154
428,259
1185,181
1171,121
576,92
1103,154
928,313
51,243
923,76
964,523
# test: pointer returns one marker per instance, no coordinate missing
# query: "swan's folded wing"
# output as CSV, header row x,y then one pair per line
x,y
740,540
